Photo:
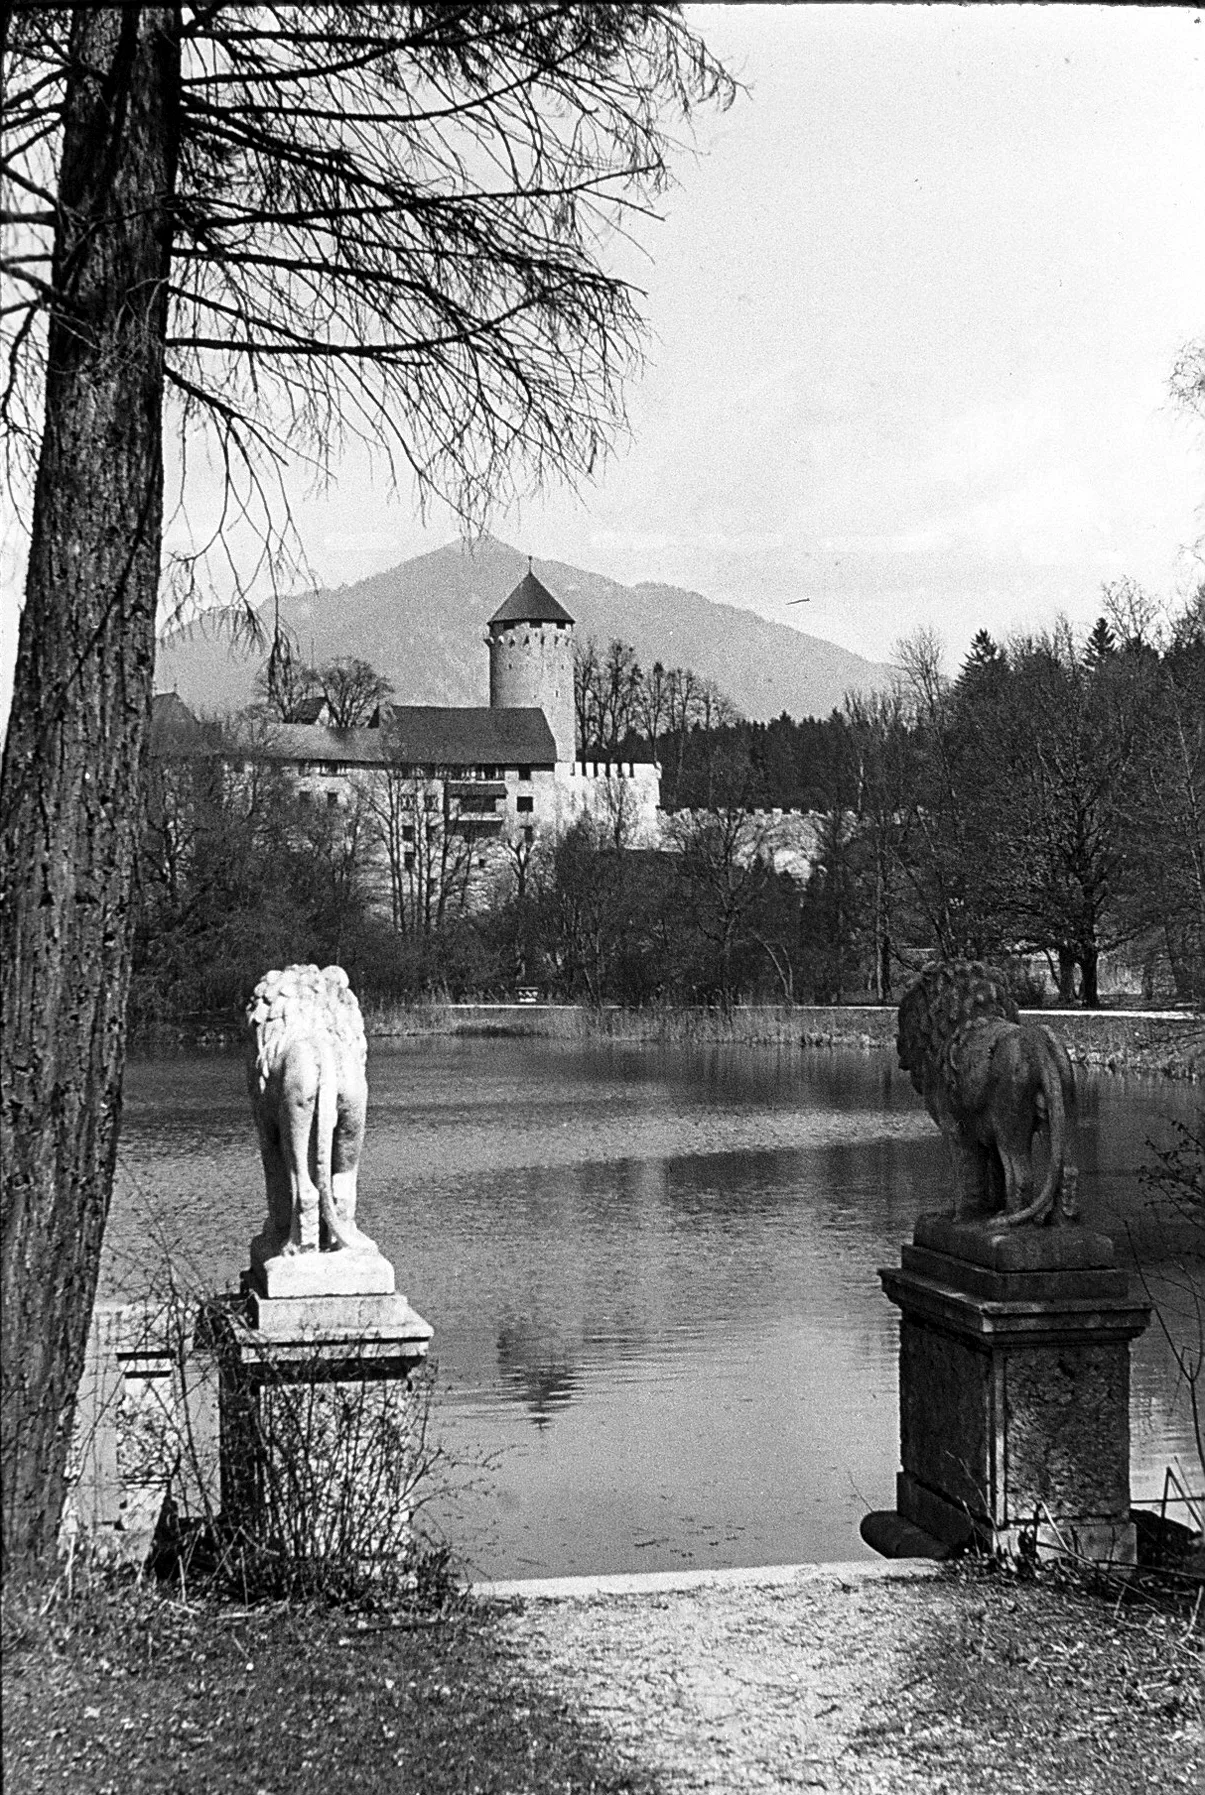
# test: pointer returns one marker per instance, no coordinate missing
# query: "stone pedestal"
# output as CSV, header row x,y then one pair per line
x,y
316,1417
145,1424
343,1273
1014,1388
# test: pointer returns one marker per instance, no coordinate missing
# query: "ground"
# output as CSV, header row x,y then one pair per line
x,y
840,1680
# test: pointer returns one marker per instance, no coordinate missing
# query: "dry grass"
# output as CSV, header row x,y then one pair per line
x,y
953,1685
126,1691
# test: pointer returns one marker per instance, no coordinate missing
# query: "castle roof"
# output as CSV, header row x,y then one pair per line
x,y
175,730
422,735
531,602
434,734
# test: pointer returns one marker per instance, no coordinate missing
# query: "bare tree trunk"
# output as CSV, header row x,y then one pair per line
x,y
71,782
1089,964
1066,975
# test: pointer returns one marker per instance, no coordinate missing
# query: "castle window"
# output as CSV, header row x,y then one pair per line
x,y
529,833
526,804
408,832
525,772
332,798
408,862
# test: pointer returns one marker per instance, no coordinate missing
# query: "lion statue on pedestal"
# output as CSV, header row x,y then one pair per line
x,y
305,1058
993,1084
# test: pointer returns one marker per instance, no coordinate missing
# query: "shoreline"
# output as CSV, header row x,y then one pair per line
x,y
1149,1043
1159,1043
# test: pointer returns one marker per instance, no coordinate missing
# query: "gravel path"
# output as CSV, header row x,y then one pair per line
x,y
848,1681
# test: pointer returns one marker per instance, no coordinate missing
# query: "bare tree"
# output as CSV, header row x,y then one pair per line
x,y
726,866
425,841
302,224
941,869
607,695
520,850
620,684
586,680
353,689
653,706
886,779
285,681
714,710
1133,613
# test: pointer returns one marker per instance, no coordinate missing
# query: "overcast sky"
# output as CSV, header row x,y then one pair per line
x,y
913,312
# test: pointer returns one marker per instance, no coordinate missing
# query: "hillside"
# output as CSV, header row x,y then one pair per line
x,y
423,624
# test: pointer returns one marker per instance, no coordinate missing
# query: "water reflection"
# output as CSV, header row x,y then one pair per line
x,y
652,1274
538,1368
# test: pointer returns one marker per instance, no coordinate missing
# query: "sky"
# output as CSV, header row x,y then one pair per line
x,y
913,309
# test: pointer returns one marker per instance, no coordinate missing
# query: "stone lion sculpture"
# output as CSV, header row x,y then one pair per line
x,y
305,1057
992,1083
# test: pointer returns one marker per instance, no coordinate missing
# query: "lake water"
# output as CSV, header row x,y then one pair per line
x,y
660,1334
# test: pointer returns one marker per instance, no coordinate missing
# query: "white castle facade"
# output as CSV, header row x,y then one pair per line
x,y
455,796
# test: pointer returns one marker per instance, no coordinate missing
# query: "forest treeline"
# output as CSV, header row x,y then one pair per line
x,y
1043,808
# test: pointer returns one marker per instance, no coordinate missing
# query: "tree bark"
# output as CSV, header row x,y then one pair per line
x,y
1089,964
70,787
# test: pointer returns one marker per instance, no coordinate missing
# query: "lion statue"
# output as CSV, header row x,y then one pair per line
x,y
305,1056
992,1083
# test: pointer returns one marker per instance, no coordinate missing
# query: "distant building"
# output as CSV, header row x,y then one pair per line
x,y
458,792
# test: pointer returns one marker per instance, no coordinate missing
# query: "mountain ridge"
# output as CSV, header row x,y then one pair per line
x,y
422,624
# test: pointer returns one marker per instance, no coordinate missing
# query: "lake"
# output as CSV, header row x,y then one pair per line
x,y
652,1274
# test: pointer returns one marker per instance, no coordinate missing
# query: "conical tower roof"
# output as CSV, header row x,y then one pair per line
x,y
530,602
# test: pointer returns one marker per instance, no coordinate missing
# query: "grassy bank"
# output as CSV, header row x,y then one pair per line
x,y
953,1683
1106,1040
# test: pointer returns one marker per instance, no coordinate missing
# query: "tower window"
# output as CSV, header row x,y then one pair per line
x,y
525,772
525,804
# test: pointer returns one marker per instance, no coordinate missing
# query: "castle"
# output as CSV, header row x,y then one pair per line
x,y
471,784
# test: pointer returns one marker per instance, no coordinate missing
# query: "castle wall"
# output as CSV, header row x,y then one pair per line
x,y
621,797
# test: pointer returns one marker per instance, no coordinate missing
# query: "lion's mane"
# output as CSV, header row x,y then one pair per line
x,y
944,998
303,1001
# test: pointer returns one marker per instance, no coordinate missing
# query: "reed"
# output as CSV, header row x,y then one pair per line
x,y
750,1024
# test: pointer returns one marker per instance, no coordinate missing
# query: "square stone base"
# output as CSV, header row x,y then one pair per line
x,y
1099,1539
341,1273
1014,1388
313,1391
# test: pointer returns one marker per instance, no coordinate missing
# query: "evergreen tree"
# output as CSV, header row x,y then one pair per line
x,y
1101,643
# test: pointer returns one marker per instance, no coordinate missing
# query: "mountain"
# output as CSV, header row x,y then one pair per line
x,y
423,625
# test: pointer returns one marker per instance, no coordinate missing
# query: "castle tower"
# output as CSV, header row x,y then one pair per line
x,y
531,660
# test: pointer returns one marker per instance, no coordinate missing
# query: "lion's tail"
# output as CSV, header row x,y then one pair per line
x,y
326,1116
1052,1090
